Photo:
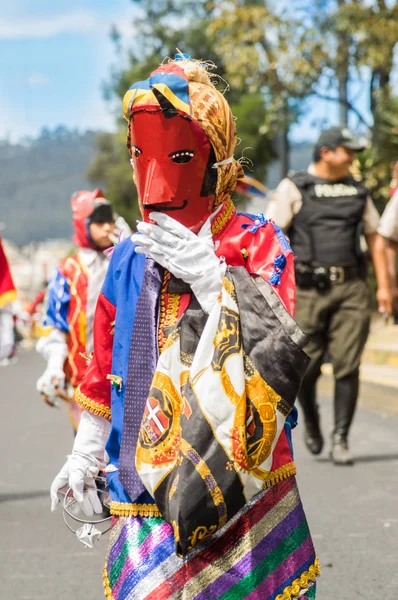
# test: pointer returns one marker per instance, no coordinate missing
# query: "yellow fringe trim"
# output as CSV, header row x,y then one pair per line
x,y
124,509
91,405
279,475
301,584
107,585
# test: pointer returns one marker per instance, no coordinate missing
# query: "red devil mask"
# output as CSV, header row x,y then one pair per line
x,y
172,159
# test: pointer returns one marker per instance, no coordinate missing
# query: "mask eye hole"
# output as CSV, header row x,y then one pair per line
x,y
182,156
135,151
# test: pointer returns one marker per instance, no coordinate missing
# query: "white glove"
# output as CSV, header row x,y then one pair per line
x,y
6,333
83,465
187,256
54,349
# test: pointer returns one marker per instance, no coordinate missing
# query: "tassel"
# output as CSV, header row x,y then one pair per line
x,y
259,221
279,267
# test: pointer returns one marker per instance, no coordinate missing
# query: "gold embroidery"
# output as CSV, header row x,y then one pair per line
x,y
284,407
176,531
158,441
186,359
172,338
124,509
200,534
174,485
229,286
94,407
301,584
168,313
223,217
203,470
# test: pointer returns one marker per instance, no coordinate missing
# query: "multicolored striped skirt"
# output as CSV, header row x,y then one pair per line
x,y
264,553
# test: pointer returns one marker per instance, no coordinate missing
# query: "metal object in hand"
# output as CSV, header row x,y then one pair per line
x,y
91,528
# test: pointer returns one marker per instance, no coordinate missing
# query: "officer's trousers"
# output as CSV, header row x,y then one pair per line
x,y
337,321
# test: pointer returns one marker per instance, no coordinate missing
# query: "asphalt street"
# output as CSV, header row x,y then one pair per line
x,y
352,511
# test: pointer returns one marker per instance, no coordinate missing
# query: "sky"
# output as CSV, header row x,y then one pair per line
x,y
55,57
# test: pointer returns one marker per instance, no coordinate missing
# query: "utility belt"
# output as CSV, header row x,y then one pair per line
x,y
322,278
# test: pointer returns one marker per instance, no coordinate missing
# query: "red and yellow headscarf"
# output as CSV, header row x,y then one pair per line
x,y
187,86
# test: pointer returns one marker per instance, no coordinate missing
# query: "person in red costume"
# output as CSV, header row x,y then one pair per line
x,y
71,297
8,295
189,396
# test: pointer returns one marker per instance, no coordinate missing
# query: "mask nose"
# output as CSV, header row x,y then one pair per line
x,y
156,189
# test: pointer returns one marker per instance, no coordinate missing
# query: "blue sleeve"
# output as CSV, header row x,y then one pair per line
x,y
57,302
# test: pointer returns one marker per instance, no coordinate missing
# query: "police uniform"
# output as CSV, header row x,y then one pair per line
x,y
324,220
388,227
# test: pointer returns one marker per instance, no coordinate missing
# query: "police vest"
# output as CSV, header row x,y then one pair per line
x,y
326,230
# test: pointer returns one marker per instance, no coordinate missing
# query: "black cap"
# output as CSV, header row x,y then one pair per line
x,y
340,136
102,212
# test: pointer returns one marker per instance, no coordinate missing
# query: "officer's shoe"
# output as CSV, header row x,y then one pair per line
x,y
313,438
340,453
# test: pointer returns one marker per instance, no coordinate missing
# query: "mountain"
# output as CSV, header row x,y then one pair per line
x,y
37,180
38,177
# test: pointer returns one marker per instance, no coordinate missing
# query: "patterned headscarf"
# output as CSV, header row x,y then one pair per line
x,y
186,85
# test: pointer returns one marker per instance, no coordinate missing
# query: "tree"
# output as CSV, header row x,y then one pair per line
x,y
165,26
278,54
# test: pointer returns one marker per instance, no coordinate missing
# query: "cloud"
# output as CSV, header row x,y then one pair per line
x,y
36,27
36,79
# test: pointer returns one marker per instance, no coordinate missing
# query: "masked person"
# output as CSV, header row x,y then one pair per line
x,y
195,368
71,298
324,211
8,296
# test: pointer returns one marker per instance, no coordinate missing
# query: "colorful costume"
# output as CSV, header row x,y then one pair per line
x,y
8,295
204,367
71,298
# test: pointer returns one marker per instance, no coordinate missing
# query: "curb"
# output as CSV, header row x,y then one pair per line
x,y
381,355
384,375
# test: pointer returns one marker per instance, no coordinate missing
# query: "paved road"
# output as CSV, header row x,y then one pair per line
x,y
353,512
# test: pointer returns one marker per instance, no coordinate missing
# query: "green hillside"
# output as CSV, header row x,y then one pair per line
x,y
37,180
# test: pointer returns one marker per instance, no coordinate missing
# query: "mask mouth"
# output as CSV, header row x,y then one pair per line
x,y
164,208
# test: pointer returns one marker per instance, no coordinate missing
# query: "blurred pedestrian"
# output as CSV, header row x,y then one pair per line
x,y
8,296
388,236
324,211
71,298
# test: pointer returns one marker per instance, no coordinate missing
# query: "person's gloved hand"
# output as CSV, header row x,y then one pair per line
x,y
83,465
187,256
54,349
6,333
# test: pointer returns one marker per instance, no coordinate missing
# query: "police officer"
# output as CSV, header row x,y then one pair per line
x,y
324,211
388,235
